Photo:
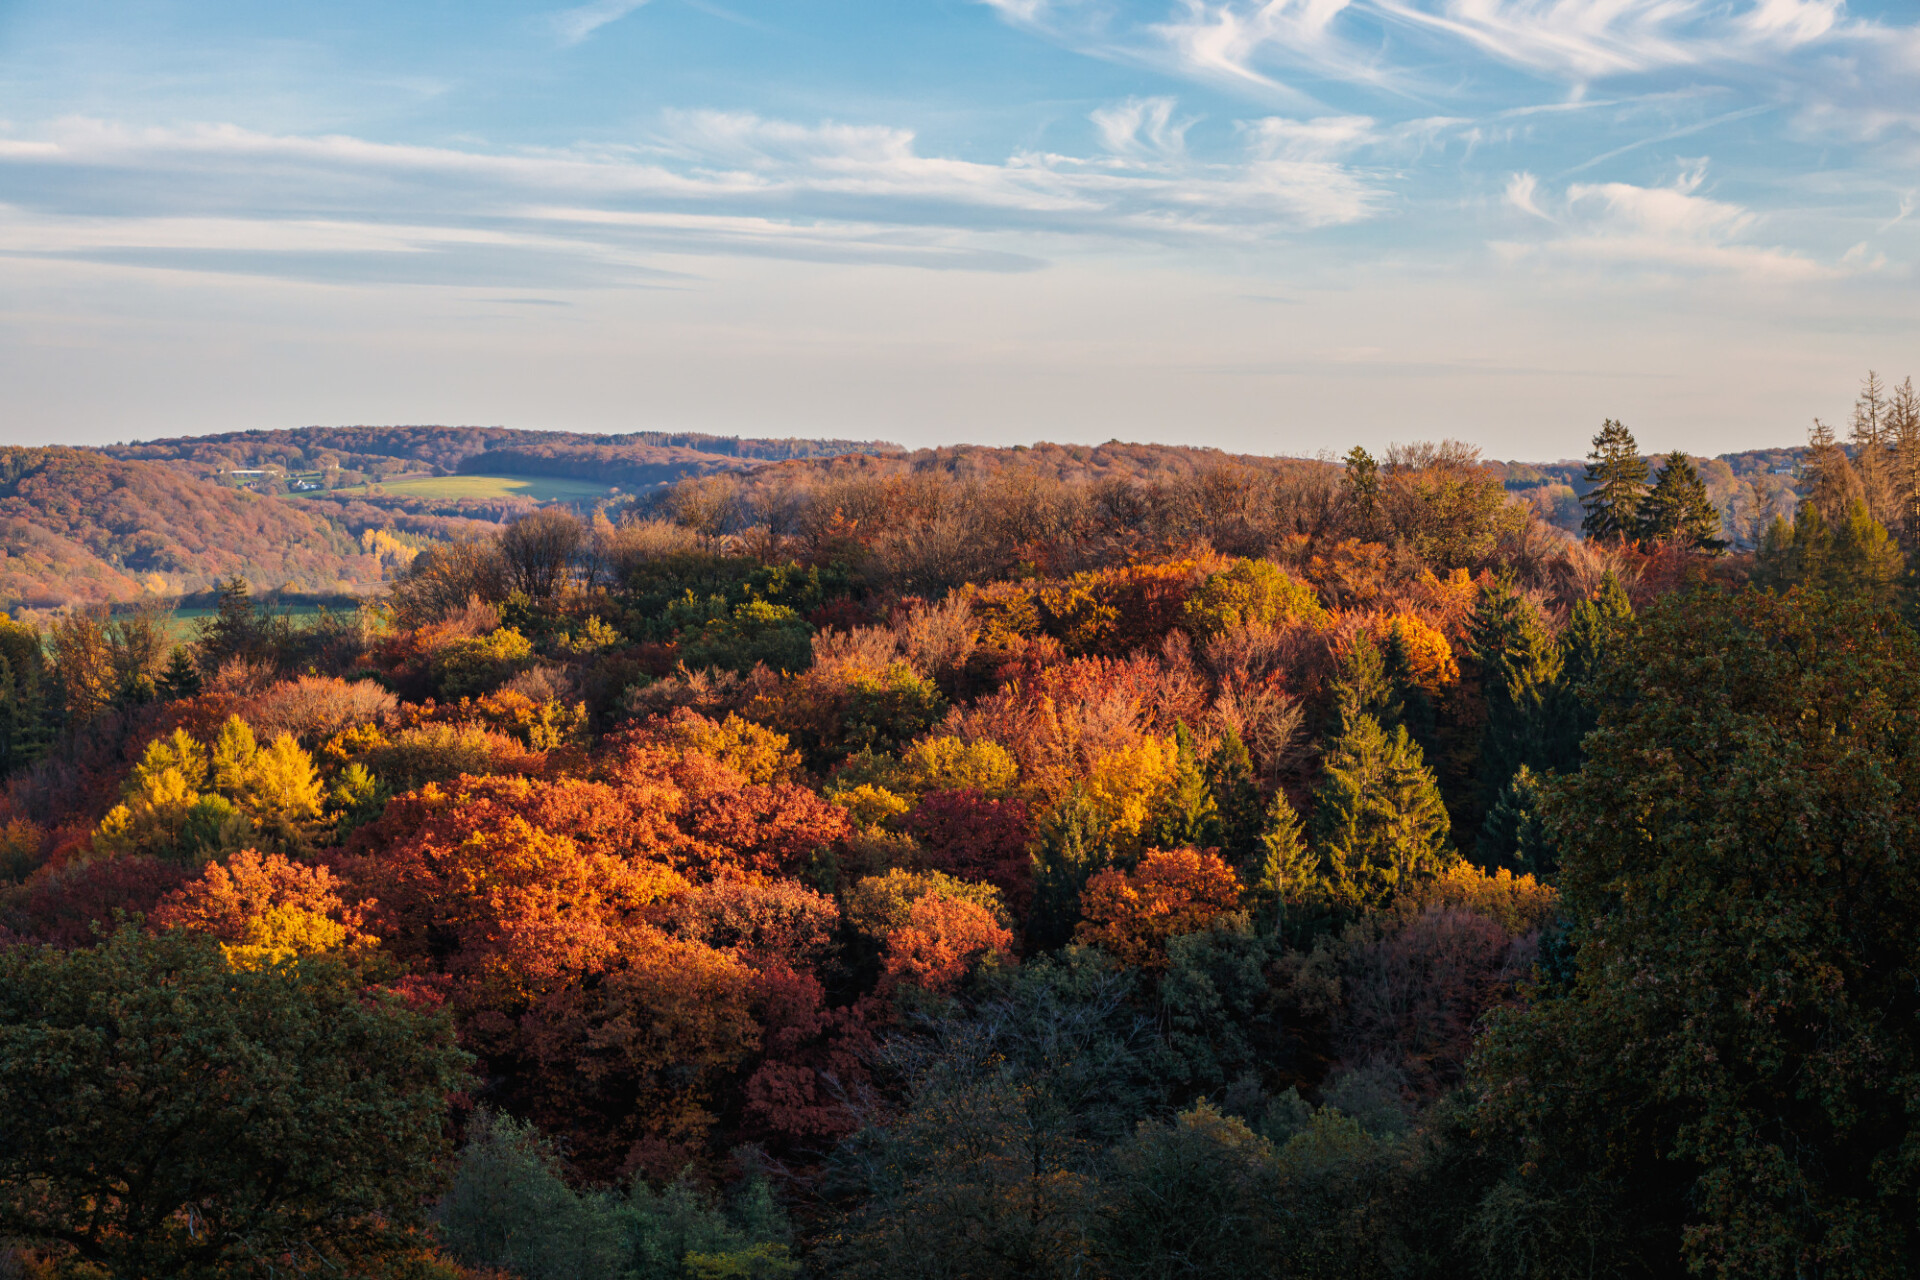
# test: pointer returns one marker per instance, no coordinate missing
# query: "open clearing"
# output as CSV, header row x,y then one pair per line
x,y
539,488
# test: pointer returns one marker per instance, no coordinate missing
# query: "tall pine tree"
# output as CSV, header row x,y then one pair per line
x,y
1188,815
1236,798
1618,475
1378,818
1677,509
1288,871
1520,671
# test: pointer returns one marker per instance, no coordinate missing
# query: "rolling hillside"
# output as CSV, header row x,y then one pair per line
x,y
79,527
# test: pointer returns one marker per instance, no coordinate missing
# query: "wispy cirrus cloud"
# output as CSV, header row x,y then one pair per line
x,y
1286,47
710,183
577,24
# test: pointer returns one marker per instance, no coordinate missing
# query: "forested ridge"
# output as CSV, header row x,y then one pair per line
x,y
1064,862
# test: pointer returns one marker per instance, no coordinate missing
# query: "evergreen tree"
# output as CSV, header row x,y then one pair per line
x,y
1288,871
1865,563
1858,558
238,630
1594,625
1678,509
181,679
1520,672
1871,435
1364,688
1835,485
1072,848
1378,817
1236,798
1513,836
1618,476
27,697
1903,443
1188,816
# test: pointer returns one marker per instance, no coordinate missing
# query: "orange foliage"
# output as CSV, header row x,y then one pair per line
x,y
229,901
1132,914
942,941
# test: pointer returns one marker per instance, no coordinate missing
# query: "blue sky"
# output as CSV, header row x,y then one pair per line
x,y
1269,225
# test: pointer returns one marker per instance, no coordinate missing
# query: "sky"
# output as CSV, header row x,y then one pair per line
x,y
1272,226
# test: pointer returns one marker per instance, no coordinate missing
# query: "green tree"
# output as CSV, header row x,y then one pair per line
x,y
1188,816
239,629
1855,558
1618,476
1072,847
1361,486
1677,509
1236,798
1513,836
1288,872
1721,1080
181,679
26,696
164,1114
1378,817
1520,675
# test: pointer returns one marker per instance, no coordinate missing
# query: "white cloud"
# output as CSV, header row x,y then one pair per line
x,y
575,25
708,182
1143,129
1269,47
1668,230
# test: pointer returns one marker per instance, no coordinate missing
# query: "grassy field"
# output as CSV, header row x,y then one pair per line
x,y
539,488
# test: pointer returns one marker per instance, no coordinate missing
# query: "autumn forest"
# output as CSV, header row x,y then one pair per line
x,y
820,859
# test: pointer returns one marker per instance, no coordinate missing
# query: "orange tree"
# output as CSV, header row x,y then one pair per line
x,y
1132,914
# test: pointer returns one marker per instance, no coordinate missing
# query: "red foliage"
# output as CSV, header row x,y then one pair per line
x,y
468,886
64,903
814,1063
971,837
940,944
737,826
628,1067
1132,914
762,922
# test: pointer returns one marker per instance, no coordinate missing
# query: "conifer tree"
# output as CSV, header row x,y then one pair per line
x,y
1379,821
1594,625
26,697
1870,437
181,679
1677,509
1618,475
1236,798
1288,870
1520,671
1188,816
1834,483
1072,848
1363,687
1513,836
1903,443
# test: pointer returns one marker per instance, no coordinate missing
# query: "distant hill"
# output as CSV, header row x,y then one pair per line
x,y
79,527
298,508
383,451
